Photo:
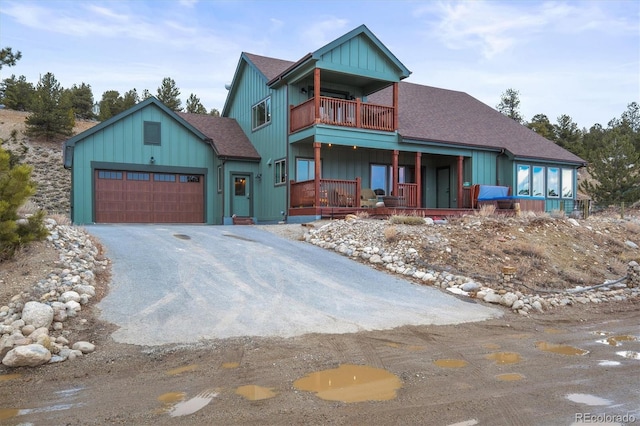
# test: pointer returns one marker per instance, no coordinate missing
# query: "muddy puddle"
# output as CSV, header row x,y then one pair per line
x,y
560,349
230,365
504,357
351,383
450,363
629,354
180,370
510,377
617,340
176,405
7,377
255,393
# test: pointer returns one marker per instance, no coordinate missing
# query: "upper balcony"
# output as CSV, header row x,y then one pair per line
x,y
341,112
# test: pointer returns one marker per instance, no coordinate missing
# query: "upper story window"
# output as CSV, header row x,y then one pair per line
x,y
261,113
152,133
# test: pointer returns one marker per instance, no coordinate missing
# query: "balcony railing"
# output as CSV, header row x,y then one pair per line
x,y
340,112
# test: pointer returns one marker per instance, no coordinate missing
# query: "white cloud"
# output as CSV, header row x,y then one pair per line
x,y
321,32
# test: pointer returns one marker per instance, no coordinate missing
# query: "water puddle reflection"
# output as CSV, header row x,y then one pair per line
x,y
606,363
617,340
560,349
629,354
183,369
510,377
255,393
175,405
450,363
9,413
351,383
587,399
504,357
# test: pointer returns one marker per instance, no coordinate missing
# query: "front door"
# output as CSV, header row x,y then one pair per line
x,y
241,199
443,187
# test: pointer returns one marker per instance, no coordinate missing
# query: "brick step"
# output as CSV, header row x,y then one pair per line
x,y
242,220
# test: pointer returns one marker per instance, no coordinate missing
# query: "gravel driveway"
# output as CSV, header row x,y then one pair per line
x,y
183,283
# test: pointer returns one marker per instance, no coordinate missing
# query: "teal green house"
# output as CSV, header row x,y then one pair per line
x,y
337,131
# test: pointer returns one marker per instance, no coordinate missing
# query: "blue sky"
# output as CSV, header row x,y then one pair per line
x,y
580,58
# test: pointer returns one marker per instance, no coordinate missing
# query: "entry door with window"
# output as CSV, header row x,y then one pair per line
x,y
241,199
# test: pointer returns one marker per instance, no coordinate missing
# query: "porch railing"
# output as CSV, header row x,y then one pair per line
x,y
343,193
340,112
409,191
333,193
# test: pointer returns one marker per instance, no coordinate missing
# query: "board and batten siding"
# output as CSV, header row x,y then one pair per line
x,y
269,140
120,145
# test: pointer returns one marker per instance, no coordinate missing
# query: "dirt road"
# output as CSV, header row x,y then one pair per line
x,y
498,372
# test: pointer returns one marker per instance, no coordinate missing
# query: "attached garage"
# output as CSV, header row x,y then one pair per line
x,y
143,197
150,164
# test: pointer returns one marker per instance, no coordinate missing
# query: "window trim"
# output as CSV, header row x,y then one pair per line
x,y
310,169
220,180
267,114
280,166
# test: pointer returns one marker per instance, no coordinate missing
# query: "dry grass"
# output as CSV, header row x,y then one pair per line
x,y
391,233
28,208
486,210
61,219
406,220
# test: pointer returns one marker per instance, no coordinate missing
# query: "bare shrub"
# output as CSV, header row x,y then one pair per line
x,y
390,233
406,220
60,219
28,208
486,210
557,214
632,228
362,214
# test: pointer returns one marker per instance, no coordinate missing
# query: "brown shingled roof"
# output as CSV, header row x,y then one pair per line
x,y
432,114
226,135
270,67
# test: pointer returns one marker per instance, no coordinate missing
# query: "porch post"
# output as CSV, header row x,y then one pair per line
x,y
419,178
394,172
316,93
396,87
460,178
316,175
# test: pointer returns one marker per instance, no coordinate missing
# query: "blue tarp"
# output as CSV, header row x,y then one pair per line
x,y
492,192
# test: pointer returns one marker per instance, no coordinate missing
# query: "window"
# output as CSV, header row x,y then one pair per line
x,y
281,172
152,133
524,180
137,176
261,113
102,174
219,178
381,176
189,179
538,181
567,183
553,182
240,186
305,169
161,177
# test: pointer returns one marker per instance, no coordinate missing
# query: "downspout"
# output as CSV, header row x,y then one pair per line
x,y
498,166
287,164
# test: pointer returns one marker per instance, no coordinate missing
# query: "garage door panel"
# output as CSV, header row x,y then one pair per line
x,y
137,197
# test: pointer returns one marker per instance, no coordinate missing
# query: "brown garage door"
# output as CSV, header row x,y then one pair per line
x,y
142,197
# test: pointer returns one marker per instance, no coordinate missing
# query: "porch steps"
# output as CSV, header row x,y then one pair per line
x,y
237,220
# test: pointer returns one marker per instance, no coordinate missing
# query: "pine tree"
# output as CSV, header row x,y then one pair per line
x,y
52,113
194,105
15,188
510,105
81,99
17,94
168,94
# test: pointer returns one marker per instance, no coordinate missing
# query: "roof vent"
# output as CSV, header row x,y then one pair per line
x,y
227,86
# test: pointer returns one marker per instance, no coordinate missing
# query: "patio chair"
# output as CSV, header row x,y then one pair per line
x,y
368,198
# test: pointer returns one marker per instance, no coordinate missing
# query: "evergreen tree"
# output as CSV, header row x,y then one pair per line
x,y
146,94
541,125
52,113
195,106
615,170
8,58
168,94
17,94
130,99
567,134
510,105
214,112
81,99
15,188
110,105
